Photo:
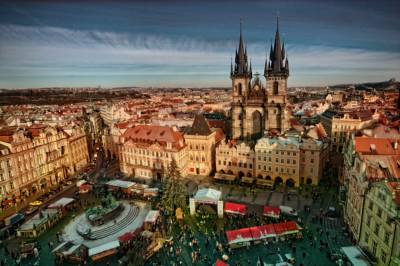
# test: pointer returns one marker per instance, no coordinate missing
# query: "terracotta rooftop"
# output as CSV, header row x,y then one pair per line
x,y
379,146
382,166
154,134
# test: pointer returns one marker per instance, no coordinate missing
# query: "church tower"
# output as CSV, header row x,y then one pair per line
x,y
276,73
241,75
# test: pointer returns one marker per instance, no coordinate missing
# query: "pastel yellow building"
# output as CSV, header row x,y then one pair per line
x,y
35,158
201,142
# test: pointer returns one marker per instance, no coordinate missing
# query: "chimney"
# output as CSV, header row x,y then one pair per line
x,y
372,147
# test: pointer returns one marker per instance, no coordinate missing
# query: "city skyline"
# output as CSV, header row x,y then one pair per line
x,y
136,43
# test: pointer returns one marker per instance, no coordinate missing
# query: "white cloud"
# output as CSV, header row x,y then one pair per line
x,y
34,51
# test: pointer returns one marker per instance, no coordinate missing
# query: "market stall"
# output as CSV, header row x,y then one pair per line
x,y
273,212
235,208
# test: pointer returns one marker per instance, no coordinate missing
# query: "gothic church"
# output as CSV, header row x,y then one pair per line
x,y
255,109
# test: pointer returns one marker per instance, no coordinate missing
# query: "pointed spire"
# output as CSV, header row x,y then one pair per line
x,y
231,67
241,65
287,64
277,62
271,53
277,56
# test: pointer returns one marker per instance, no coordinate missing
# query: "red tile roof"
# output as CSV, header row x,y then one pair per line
x,y
381,166
379,146
150,134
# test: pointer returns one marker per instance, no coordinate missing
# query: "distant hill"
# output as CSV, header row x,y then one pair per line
x,y
391,84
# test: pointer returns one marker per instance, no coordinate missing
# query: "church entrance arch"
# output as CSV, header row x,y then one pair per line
x,y
278,181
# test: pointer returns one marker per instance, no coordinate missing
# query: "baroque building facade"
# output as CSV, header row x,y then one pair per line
x,y
38,157
256,109
147,150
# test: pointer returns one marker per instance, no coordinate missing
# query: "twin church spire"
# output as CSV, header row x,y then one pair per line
x,y
277,63
242,68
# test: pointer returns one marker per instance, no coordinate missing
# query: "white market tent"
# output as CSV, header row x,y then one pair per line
x,y
103,248
207,195
151,216
61,203
355,256
120,183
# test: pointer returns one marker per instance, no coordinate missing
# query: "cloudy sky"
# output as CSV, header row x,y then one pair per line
x,y
190,43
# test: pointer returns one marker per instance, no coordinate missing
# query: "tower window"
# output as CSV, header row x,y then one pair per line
x,y
240,88
275,88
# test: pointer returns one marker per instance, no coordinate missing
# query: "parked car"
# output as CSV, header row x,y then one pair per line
x,y
36,203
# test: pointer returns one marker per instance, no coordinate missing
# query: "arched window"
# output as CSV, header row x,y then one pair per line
x,y
275,89
240,88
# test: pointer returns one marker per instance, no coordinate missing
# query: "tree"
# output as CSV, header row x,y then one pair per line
x,y
174,195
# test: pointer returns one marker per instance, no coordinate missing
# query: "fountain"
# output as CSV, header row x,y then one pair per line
x,y
108,210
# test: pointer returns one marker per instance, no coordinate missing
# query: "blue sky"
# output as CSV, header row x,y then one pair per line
x,y
190,43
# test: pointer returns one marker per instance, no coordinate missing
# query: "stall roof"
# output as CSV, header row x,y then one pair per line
x,y
120,183
267,230
38,219
61,203
272,211
239,235
235,208
208,194
261,232
151,216
104,247
220,263
125,237
355,255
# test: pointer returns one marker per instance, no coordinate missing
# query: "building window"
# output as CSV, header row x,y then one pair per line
x,y
229,163
275,88
269,159
250,166
387,238
369,220
294,161
219,161
376,231
240,164
277,160
379,212
374,247
245,165
383,256
366,237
